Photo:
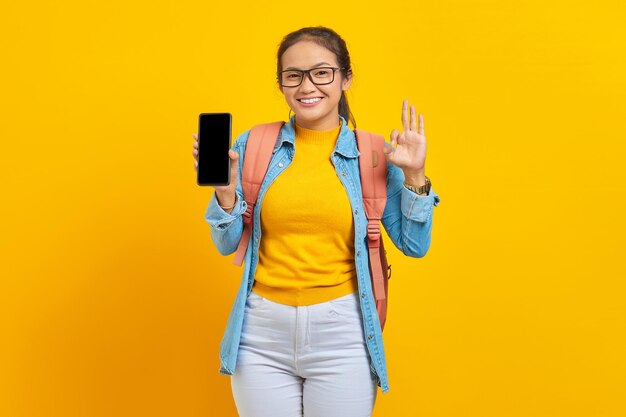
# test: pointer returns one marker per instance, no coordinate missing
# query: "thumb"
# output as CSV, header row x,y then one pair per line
x,y
234,164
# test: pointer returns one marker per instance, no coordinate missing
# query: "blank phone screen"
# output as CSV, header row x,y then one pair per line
x,y
214,134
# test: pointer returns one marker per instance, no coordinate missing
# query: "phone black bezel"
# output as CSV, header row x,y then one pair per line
x,y
230,135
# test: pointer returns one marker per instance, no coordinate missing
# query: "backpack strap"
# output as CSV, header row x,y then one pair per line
x,y
373,168
257,156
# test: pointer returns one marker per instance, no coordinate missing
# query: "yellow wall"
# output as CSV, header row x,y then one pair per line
x,y
113,298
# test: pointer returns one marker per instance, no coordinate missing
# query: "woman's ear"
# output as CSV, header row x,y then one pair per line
x,y
346,83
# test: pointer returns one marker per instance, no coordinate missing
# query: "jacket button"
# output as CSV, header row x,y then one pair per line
x,y
369,337
356,211
362,295
343,174
358,253
280,164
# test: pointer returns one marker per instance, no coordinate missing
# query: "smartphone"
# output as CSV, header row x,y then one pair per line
x,y
214,137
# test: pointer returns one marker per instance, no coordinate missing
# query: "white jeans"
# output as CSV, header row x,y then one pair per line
x,y
309,361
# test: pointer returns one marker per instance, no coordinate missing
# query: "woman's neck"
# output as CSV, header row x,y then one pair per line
x,y
329,124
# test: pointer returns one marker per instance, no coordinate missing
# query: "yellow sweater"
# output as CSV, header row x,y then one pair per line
x,y
306,253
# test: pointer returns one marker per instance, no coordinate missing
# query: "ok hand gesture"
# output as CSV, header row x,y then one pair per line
x,y
408,148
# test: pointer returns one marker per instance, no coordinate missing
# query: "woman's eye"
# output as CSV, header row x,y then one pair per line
x,y
321,73
293,75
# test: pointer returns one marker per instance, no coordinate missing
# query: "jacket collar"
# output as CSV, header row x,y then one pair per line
x,y
346,142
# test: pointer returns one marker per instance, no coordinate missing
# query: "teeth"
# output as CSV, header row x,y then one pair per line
x,y
310,100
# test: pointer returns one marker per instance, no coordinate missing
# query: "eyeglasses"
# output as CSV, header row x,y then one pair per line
x,y
318,76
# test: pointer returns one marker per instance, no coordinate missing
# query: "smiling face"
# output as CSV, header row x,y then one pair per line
x,y
316,106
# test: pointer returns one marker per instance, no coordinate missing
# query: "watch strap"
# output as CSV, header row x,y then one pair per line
x,y
423,189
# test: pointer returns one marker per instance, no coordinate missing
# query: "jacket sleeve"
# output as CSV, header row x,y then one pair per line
x,y
408,216
226,229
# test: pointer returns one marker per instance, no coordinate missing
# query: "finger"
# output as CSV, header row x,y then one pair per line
x,y
195,136
234,156
405,114
234,166
388,151
413,119
421,125
401,138
195,145
394,137
195,154
195,165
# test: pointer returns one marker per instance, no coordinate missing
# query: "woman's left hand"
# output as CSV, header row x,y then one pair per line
x,y
408,149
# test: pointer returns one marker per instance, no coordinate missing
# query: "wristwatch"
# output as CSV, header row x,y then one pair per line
x,y
420,190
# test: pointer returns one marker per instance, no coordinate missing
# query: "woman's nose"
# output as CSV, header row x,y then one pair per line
x,y
307,85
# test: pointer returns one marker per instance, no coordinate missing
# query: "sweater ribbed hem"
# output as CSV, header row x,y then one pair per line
x,y
305,296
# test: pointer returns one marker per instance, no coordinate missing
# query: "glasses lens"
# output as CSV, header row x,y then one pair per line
x,y
290,78
323,75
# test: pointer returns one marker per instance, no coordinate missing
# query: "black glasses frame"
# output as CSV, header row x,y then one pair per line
x,y
308,74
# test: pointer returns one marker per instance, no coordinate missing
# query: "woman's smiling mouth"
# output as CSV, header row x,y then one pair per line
x,y
307,102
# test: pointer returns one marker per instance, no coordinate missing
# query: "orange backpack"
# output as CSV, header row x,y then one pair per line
x,y
373,171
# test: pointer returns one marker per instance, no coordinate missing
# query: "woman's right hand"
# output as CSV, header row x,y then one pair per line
x,y
225,193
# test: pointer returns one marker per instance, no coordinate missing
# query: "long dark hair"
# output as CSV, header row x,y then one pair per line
x,y
330,40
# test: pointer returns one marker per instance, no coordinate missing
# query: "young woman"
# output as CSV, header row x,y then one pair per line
x,y
303,336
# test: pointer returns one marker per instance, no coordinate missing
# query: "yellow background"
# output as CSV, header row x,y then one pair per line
x,y
114,299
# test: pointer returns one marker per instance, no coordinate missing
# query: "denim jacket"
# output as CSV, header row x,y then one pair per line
x,y
407,219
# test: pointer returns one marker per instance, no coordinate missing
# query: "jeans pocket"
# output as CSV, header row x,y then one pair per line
x,y
346,306
254,300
